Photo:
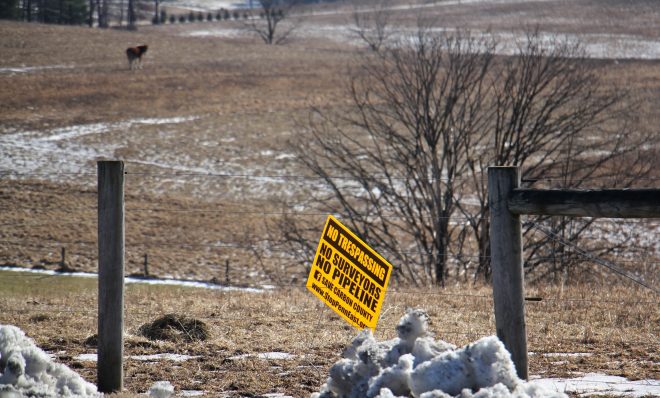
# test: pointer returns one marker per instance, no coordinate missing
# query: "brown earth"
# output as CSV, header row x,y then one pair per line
x,y
247,100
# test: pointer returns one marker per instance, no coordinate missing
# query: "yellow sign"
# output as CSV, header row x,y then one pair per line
x,y
349,276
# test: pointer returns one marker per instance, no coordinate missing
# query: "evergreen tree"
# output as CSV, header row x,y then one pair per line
x,y
9,9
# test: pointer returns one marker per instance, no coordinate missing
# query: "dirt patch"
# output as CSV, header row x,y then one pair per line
x,y
175,328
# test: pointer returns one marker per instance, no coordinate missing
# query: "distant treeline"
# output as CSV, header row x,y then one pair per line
x,y
71,12
78,12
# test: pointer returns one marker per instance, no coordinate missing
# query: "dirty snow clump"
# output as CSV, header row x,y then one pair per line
x,y
416,365
161,389
26,370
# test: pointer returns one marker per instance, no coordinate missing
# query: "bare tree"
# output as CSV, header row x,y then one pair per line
x,y
548,113
269,24
405,164
402,147
373,24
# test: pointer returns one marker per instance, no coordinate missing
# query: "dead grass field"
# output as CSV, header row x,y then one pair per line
x,y
616,330
244,101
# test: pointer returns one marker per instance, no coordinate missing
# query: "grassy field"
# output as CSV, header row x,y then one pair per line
x,y
615,330
204,102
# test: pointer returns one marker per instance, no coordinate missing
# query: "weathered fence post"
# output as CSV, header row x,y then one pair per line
x,y
110,372
507,266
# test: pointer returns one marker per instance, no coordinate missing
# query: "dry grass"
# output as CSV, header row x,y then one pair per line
x,y
616,327
247,99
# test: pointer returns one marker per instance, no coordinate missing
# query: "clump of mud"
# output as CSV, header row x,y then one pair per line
x,y
175,328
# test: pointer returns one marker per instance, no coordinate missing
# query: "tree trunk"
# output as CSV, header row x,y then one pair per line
x,y
103,13
131,15
156,12
91,13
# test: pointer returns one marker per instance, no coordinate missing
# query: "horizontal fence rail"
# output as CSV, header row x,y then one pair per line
x,y
507,202
611,203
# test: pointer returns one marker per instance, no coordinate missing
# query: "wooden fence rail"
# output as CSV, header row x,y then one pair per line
x,y
507,201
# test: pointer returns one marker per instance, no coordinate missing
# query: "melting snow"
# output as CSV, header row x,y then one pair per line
x,y
28,371
416,364
127,280
146,358
600,384
191,393
562,354
264,355
61,151
87,357
166,355
28,69
161,389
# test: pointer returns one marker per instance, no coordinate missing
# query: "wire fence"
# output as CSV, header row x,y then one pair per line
x,y
189,240
471,314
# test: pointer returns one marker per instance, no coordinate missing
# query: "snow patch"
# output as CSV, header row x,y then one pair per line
x,y
264,355
415,364
146,358
562,354
192,393
127,280
100,128
28,69
29,371
166,355
161,389
87,357
600,384
220,32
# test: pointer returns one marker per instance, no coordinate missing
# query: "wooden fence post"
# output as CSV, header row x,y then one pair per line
x,y
507,265
110,372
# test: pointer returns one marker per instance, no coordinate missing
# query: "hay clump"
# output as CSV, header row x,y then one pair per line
x,y
175,328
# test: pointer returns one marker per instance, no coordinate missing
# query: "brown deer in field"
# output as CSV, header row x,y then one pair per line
x,y
135,54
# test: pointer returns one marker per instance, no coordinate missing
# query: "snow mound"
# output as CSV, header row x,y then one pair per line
x,y
26,370
415,364
161,389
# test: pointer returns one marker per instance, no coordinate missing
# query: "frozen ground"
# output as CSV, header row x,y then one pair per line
x,y
414,362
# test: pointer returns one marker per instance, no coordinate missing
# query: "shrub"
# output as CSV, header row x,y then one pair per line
x,y
172,19
182,18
